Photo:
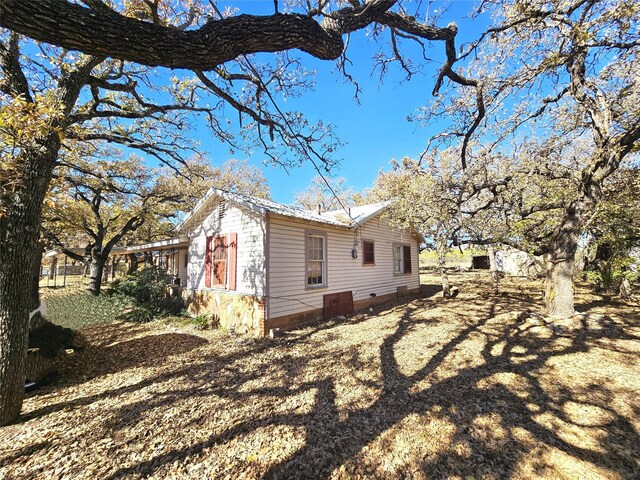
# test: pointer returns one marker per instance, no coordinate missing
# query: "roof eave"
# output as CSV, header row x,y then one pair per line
x,y
310,220
371,215
221,194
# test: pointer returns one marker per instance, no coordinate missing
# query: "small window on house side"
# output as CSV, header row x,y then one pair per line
x,y
397,259
316,260
368,255
401,259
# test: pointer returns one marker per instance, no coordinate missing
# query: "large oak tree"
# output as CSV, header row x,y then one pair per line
x,y
558,82
79,93
102,201
583,51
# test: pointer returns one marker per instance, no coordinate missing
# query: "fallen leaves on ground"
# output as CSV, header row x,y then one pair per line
x,y
479,387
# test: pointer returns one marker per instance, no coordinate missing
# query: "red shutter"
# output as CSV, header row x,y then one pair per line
x,y
207,263
406,254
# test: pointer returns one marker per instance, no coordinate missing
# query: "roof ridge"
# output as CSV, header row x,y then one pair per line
x,y
267,205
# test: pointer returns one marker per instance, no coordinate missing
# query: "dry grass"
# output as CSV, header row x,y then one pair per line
x,y
429,389
73,307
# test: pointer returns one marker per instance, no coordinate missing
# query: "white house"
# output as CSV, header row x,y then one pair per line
x,y
258,265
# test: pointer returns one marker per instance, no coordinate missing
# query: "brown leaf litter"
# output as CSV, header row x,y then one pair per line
x,y
479,387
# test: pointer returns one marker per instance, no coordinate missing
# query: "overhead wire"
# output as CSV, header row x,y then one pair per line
x,y
305,147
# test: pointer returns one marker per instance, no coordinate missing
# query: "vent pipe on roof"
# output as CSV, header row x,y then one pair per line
x,y
319,208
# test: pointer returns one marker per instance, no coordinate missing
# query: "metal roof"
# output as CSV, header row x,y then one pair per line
x,y
339,218
357,215
159,245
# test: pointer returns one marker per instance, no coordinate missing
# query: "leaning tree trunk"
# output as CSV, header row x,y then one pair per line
x,y
22,194
560,265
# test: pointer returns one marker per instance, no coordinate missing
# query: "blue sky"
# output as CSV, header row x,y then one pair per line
x,y
375,131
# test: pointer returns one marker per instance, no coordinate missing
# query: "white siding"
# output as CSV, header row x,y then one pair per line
x,y
286,245
250,227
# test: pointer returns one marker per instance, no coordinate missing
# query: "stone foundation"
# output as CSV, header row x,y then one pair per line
x,y
241,313
246,313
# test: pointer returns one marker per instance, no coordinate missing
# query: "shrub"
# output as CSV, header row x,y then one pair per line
x,y
148,291
610,274
205,321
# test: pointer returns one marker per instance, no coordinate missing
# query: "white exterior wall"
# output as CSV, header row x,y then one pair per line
x,y
286,256
250,227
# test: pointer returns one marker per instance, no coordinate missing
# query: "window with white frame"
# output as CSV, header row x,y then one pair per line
x,y
316,260
401,259
397,259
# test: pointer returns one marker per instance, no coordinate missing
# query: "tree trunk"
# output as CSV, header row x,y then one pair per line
x,y
96,270
114,264
560,265
441,248
52,268
133,263
106,271
625,289
559,288
493,268
21,198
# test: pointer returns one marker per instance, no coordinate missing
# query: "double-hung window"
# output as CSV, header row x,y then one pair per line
x,y
316,259
401,259
397,259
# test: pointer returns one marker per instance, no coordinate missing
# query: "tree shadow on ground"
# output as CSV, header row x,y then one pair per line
x,y
430,289
334,440
142,351
603,301
111,353
498,402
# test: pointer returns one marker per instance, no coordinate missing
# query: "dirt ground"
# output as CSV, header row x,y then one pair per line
x,y
470,388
